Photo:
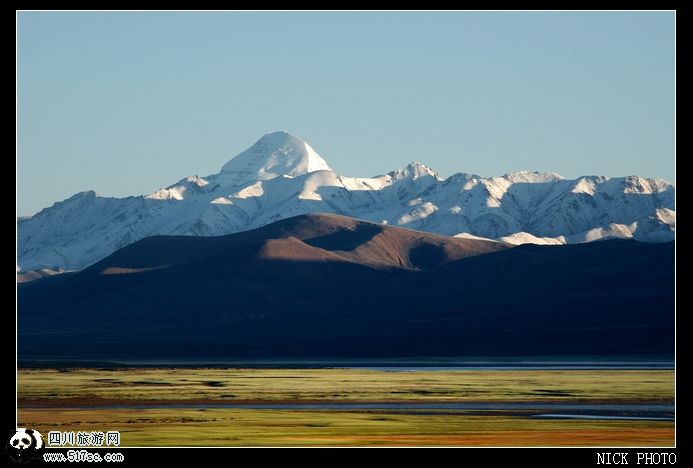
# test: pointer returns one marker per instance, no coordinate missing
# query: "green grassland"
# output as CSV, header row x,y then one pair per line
x,y
74,400
229,385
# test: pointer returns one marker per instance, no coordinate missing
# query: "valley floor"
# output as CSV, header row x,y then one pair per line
x,y
354,407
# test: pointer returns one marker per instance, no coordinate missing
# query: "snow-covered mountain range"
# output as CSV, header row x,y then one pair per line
x,y
282,176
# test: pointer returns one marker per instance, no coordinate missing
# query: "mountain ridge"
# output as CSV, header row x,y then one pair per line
x,y
282,176
328,285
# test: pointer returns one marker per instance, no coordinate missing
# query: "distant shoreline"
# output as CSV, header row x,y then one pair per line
x,y
414,364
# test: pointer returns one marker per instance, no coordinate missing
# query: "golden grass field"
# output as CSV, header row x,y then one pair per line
x,y
75,400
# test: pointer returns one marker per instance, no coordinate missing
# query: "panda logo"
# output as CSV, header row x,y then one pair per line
x,y
25,444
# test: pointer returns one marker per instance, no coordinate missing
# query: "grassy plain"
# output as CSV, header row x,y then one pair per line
x,y
233,385
74,400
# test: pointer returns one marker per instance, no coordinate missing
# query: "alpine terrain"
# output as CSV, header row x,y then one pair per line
x,y
281,176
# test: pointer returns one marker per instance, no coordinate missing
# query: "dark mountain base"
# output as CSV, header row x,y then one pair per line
x,y
308,289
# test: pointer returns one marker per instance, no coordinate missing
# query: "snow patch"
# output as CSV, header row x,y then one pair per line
x,y
420,213
221,201
251,191
466,235
520,238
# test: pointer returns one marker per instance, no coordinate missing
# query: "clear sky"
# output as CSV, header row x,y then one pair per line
x,y
126,103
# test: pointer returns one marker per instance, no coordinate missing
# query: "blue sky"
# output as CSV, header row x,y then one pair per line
x,y
125,103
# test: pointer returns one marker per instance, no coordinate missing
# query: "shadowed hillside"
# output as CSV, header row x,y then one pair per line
x,y
328,285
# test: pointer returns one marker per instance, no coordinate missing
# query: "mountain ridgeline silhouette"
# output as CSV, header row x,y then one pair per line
x,y
323,285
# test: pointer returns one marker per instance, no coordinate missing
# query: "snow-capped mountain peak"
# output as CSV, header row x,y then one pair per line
x,y
533,177
282,176
276,154
414,170
178,191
